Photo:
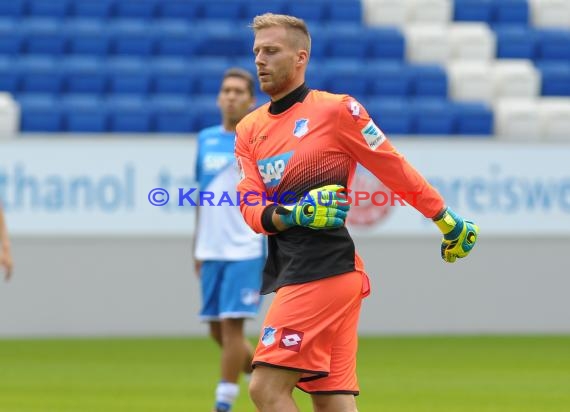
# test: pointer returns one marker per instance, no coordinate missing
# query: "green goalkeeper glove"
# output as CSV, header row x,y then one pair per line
x,y
321,208
459,236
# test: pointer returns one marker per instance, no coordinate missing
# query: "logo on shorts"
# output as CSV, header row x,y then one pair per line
x,y
291,339
249,297
268,337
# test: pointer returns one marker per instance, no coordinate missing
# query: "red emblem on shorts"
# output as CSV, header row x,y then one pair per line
x,y
291,339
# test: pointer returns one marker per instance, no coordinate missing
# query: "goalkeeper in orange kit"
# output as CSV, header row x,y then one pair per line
x,y
308,142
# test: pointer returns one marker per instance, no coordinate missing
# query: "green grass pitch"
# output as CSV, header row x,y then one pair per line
x,y
397,374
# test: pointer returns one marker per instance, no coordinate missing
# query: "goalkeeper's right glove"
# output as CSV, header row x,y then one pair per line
x,y
321,208
459,236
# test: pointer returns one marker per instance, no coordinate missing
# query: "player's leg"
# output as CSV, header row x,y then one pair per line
x,y
234,351
336,392
216,332
271,389
334,403
239,300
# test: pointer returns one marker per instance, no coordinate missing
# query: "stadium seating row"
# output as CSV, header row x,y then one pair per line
x,y
175,38
186,76
314,10
171,114
479,41
539,13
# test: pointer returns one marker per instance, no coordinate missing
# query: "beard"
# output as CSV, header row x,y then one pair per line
x,y
280,82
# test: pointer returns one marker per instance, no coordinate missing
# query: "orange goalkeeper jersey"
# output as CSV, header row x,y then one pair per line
x,y
315,142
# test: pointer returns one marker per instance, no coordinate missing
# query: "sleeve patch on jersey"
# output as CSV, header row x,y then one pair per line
x,y
354,109
373,135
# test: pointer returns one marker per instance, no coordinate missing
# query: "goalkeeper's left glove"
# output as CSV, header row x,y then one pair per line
x,y
321,208
459,236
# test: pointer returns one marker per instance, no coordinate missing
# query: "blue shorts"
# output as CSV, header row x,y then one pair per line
x,y
230,289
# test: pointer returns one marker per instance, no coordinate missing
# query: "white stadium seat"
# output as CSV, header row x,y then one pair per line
x,y
429,11
385,12
550,13
517,119
515,78
470,81
473,41
555,118
427,43
9,116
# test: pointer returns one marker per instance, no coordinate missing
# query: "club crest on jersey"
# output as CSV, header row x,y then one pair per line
x,y
272,168
268,337
373,135
301,127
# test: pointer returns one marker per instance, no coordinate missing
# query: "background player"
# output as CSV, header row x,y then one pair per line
x,y
228,255
312,143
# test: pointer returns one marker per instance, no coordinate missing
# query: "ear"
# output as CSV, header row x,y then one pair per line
x,y
302,57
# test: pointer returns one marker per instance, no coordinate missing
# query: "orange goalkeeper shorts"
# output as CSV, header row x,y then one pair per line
x,y
312,328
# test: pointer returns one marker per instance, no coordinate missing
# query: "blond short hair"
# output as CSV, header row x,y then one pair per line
x,y
295,24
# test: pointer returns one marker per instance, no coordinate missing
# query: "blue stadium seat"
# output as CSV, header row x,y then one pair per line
x,y
346,41
93,9
49,8
40,75
254,8
389,79
319,44
84,114
345,76
345,11
433,116
555,78
207,113
172,76
392,115
230,10
179,9
515,42
223,43
310,11
428,80
314,75
174,38
11,40
43,37
137,9
385,43
209,74
173,114
553,44
511,11
40,113
12,8
473,10
9,78
87,37
129,115
131,38
128,76
473,119
84,75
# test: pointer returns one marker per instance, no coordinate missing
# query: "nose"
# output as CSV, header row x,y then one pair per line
x,y
259,60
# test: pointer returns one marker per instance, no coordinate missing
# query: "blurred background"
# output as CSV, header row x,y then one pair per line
x,y
101,101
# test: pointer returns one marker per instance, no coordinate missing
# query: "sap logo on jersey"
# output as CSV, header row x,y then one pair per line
x,y
216,161
271,169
